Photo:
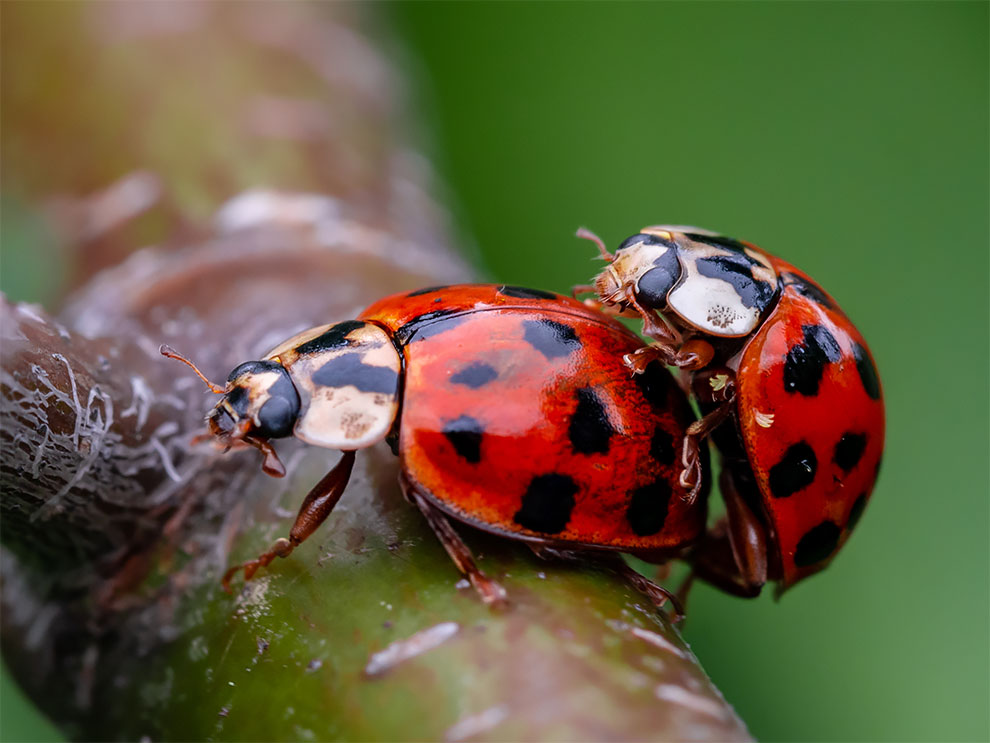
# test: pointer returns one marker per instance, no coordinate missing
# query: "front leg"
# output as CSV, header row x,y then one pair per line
x,y
668,346
313,512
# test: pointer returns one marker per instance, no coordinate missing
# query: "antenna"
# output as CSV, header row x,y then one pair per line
x,y
586,234
171,353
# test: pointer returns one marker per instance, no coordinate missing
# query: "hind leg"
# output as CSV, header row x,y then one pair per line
x,y
490,592
313,512
613,561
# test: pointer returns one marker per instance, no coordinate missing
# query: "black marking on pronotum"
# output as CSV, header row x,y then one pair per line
x,y
817,544
717,241
641,237
238,399
521,292
428,325
427,290
808,288
648,508
254,367
805,362
737,270
856,512
654,285
590,430
475,375
794,472
333,337
654,384
465,434
867,371
849,450
547,503
551,338
662,447
349,369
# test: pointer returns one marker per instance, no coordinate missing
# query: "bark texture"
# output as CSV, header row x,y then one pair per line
x,y
258,147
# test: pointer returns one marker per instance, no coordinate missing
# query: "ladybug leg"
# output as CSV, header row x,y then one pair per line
x,y
654,326
691,476
733,556
316,507
654,592
613,561
669,347
271,465
491,592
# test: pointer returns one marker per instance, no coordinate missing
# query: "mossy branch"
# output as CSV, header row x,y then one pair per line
x,y
116,528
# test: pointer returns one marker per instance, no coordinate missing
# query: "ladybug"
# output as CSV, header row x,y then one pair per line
x,y
766,347
510,411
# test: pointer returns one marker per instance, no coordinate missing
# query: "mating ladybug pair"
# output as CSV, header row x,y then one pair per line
x,y
540,418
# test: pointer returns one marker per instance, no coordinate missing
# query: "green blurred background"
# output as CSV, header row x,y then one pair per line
x,y
849,138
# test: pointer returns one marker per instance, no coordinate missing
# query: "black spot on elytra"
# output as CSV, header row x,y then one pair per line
x,y
648,508
807,288
465,435
805,362
427,290
867,371
654,383
349,369
547,503
654,285
590,430
475,375
428,325
551,338
333,337
849,450
794,472
856,512
717,241
662,447
817,544
521,292
737,270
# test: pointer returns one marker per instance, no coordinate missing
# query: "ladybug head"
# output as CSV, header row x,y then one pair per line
x,y
645,267
259,402
699,280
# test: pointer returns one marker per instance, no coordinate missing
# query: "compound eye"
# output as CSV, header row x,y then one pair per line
x,y
277,416
655,284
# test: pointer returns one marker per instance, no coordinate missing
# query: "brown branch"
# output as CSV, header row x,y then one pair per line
x,y
116,529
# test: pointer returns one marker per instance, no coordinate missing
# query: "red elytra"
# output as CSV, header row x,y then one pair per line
x,y
768,348
519,418
510,410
